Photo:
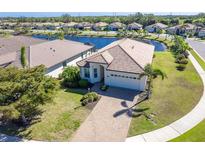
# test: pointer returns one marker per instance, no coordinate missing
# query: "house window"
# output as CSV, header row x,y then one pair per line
x,y
87,72
64,64
81,55
95,72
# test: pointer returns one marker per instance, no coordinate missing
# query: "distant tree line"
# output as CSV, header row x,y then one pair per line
x,y
144,19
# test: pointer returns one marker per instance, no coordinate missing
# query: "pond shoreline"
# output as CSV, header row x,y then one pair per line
x,y
101,42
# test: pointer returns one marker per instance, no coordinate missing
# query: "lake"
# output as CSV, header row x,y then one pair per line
x,y
101,42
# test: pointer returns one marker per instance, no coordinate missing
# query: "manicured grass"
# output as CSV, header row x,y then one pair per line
x,y
199,60
59,120
172,98
196,134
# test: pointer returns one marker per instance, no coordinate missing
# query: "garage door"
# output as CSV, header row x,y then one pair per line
x,y
124,81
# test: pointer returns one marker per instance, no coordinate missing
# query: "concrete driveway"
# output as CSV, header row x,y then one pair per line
x,y
199,47
110,120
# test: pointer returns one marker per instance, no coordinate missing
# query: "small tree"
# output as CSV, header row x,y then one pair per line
x,y
159,32
23,90
23,57
49,34
70,76
151,73
61,35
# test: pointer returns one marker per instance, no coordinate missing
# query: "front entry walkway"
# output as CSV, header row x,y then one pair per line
x,y
108,121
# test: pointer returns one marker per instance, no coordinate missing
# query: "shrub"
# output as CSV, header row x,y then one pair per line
x,y
83,83
183,61
186,54
104,87
181,67
70,84
180,57
23,57
89,98
70,76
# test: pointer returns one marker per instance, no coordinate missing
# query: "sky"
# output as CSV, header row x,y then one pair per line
x,y
56,14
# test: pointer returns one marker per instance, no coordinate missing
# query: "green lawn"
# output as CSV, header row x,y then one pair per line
x,y
59,120
196,134
172,98
199,60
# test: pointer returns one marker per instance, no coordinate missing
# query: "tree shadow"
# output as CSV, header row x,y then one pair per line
x,y
76,91
16,130
130,112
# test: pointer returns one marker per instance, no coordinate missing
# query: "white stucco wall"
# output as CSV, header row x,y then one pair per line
x,y
201,33
55,70
100,73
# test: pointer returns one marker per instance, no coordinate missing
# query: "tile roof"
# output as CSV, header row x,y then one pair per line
x,y
123,55
159,25
134,24
11,46
7,58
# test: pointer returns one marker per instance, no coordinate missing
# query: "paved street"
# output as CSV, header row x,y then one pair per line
x,y
199,47
6,138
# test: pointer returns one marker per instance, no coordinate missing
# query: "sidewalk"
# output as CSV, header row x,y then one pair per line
x,y
180,126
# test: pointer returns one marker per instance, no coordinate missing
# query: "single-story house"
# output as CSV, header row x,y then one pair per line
x,y
99,26
201,33
155,27
10,49
7,59
115,26
55,55
8,25
182,29
83,25
69,25
118,64
134,26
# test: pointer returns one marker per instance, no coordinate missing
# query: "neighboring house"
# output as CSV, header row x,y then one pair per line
x,y
134,26
115,26
7,59
47,25
201,33
57,54
54,54
99,26
83,25
26,25
154,28
69,25
118,64
173,29
10,47
182,29
8,25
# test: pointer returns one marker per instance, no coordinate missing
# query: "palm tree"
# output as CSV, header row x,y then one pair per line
x,y
160,31
49,34
151,73
61,35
